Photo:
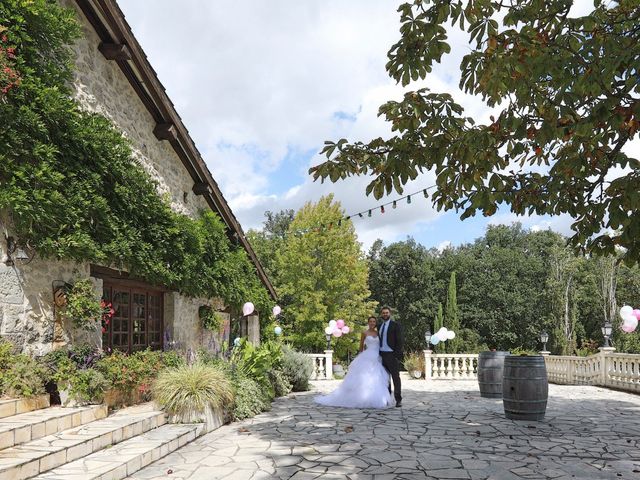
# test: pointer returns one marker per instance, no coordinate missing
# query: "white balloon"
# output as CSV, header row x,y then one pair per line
x,y
328,330
631,322
434,340
626,311
276,310
451,335
442,332
332,324
248,308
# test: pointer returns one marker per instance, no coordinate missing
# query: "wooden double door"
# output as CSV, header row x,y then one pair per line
x,y
138,319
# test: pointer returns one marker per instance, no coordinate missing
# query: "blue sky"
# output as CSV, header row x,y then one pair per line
x,y
262,85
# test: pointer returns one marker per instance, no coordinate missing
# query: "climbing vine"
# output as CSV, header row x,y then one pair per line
x,y
69,182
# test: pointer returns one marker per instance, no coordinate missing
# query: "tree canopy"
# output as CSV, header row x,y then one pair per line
x,y
320,275
565,93
511,284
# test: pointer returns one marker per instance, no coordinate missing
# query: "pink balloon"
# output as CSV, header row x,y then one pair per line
x,y
628,328
636,313
337,333
340,323
345,329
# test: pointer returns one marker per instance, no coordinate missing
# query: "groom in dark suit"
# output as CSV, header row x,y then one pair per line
x,y
390,334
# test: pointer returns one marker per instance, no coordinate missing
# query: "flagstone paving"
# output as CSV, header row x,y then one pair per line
x,y
444,430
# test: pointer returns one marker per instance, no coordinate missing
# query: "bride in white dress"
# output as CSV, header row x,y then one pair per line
x,y
366,384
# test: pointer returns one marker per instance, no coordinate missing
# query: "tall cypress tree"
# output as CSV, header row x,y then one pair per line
x,y
438,323
452,322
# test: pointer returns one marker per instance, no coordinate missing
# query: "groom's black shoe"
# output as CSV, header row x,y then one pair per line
x,y
399,403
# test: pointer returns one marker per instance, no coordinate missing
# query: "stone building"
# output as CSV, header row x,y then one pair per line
x,y
114,77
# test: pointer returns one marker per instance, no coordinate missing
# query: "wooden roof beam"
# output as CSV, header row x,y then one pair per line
x,y
166,131
115,51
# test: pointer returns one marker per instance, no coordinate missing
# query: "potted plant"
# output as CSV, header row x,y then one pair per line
x,y
194,393
414,364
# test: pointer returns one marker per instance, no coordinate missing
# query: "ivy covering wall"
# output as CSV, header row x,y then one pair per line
x,y
70,185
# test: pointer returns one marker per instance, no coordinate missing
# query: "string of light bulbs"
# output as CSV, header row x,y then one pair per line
x,y
369,211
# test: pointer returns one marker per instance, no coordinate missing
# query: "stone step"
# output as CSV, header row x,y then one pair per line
x,y
25,427
127,457
38,456
16,406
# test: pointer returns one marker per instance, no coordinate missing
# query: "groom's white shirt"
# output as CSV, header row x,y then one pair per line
x,y
384,346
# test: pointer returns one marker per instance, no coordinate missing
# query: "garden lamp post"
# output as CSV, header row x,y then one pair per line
x,y
544,338
607,330
427,338
328,337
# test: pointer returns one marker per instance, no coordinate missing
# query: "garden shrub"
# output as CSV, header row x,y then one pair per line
x,y
250,398
24,377
88,386
281,384
298,369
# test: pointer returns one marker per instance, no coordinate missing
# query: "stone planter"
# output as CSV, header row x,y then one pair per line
x,y
416,374
116,398
66,400
211,418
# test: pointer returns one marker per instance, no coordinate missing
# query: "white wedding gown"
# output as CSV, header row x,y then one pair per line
x,y
366,384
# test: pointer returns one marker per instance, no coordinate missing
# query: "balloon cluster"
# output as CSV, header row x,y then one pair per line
x,y
337,328
630,318
442,335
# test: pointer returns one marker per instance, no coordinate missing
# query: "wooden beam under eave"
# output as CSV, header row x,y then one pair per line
x,y
166,131
115,51
201,188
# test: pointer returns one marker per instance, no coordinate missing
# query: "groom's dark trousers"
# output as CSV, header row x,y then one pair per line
x,y
391,363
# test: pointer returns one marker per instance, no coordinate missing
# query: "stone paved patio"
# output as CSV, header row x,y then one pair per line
x,y
444,430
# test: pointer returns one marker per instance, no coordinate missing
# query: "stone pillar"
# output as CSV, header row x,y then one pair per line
x,y
253,329
428,373
604,363
243,327
328,364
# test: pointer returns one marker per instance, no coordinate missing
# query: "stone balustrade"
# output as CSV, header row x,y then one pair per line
x,y
322,365
455,366
605,369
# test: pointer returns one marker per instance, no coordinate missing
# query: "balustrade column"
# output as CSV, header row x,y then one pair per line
x,y
604,364
428,369
328,364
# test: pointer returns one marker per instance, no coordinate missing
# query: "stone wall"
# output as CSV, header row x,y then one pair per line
x,y
26,303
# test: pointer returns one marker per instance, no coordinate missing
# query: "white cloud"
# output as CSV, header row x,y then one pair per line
x,y
442,246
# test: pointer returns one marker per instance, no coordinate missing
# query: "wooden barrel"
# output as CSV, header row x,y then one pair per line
x,y
490,365
524,387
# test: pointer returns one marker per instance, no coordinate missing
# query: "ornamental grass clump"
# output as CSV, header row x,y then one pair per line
x,y
192,393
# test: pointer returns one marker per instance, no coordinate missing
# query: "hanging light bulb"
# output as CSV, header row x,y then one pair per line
x,y
340,222
395,204
382,209
426,195
360,215
369,214
408,198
